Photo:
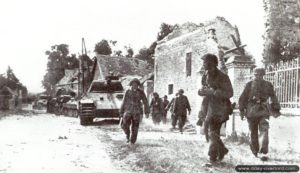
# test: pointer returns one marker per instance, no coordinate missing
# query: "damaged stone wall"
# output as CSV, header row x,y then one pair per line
x,y
189,40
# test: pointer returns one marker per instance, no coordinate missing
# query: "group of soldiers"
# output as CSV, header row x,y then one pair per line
x,y
131,110
178,107
215,108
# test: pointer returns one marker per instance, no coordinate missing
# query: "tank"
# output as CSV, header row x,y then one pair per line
x,y
62,105
70,108
60,101
41,102
102,100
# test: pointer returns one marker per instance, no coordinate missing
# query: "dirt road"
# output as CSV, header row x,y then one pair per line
x,y
49,143
46,143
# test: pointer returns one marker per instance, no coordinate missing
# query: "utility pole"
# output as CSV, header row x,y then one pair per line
x,y
83,66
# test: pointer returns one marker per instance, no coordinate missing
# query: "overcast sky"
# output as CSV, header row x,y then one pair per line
x,y
30,27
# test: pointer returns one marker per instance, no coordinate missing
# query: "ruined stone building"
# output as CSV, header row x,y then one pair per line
x,y
282,21
178,58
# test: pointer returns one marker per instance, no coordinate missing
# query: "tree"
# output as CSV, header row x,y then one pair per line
x,y
3,80
118,53
57,63
165,29
129,51
146,55
61,48
71,62
103,48
279,45
272,50
11,81
152,48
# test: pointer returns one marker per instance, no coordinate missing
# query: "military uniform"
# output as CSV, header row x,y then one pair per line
x,y
170,107
215,109
131,110
170,104
181,104
156,110
165,105
253,102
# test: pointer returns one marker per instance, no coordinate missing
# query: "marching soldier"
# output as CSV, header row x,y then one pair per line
x,y
181,104
253,103
131,110
216,107
170,107
165,104
156,108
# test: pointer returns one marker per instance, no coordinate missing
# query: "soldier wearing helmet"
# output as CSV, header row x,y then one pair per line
x,y
215,109
180,107
131,110
254,104
165,105
156,108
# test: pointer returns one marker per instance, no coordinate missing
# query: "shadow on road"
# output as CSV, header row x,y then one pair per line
x,y
104,122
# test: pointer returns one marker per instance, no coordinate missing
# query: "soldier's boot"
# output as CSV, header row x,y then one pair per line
x,y
264,151
264,157
264,135
127,138
135,129
254,144
253,150
133,140
212,159
222,153
210,163
213,151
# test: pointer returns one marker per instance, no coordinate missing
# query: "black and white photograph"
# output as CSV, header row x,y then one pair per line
x,y
149,86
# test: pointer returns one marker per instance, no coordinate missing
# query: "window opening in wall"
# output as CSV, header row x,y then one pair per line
x,y
189,64
170,89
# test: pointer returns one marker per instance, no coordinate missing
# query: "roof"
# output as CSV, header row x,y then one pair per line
x,y
126,80
149,76
223,29
120,66
9,90
69,77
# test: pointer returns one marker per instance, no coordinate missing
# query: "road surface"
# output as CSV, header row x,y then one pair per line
x,y
48,143
45,143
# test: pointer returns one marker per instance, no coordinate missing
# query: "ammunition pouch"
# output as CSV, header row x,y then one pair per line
x,y
258,100
257,108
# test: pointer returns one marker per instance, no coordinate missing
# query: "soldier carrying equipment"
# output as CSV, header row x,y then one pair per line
x,y
216,106
253,103
131,110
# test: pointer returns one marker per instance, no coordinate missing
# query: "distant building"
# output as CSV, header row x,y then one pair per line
x,y
69,82
9,99
178,63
